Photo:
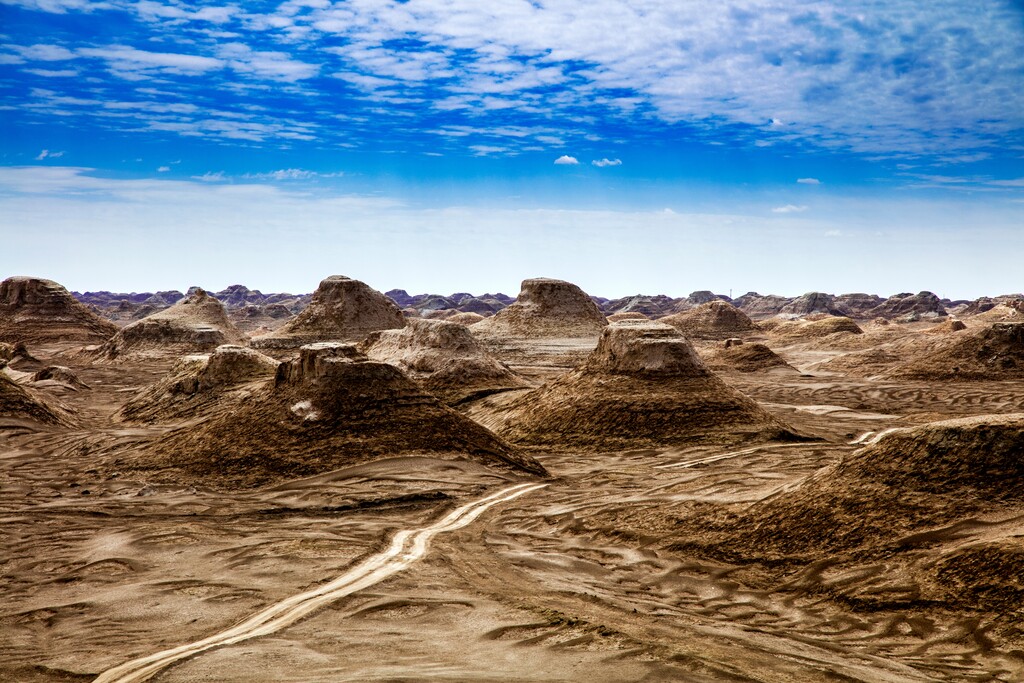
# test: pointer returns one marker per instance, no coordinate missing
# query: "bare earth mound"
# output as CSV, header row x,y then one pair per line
x,y
546,308
643,385
342,309
745,358
327,409
197,383
993,354
444,357
713,320
42,312
908,480
20,403
196,323
816,329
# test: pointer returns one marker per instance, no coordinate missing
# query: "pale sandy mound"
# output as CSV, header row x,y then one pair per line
x,y
196,323
817,329
643,385
342,309
994,353
545,308
627,315
713,320
20,403
444,357
329,408
41,311
199,382
466,318
745,357
948,326
908,480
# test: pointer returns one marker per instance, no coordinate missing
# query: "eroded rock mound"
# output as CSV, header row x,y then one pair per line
x,y
745,357
546,308
19,403
196,323
712,320
815,329
908,480
342,309
197,383
643,385
910,307
810,303
59,374
329,408
41,311
444,357
992,354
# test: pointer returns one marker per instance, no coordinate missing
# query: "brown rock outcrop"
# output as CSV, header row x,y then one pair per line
x,y
41,311
444,357
712,320
643,385
329,408
342,309
546,308
196,323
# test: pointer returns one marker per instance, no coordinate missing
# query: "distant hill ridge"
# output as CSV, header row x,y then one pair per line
x,y
908,306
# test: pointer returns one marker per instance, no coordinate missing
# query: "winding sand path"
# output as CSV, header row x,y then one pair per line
x,y
406,547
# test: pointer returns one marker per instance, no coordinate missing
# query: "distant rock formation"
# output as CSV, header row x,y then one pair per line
x,y
342,309
648,306
329,408
757,306
910,307
546,308
810,303
857,305
196,323
444,357
41,311
713,320
643,385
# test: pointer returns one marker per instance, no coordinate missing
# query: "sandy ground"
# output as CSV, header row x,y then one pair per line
x,y
579,580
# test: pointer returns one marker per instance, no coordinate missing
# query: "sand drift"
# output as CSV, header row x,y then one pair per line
x,y
406,547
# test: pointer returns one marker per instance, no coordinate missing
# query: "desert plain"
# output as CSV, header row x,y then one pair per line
x,y
353,486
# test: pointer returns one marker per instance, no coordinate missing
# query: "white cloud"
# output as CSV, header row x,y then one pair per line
x,y
808,181
210,177
47,154
53,73
125,61
484,150
789,208
163,169
42,53
602,163
271,65
291,174
566,160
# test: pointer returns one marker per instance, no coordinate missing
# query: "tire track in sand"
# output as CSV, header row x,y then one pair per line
x,y
406,547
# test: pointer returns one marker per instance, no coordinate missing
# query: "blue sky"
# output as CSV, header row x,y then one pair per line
x,y
446,145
